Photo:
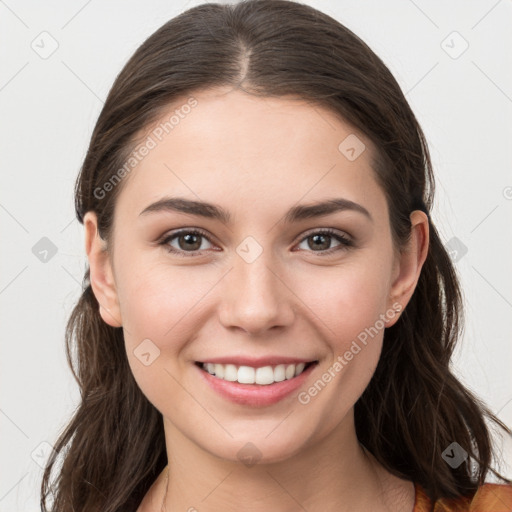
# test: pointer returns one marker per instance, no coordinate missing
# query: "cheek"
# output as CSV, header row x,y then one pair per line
x,y
155,296
166,304
162,303
351,308
157,308
348,299
158,300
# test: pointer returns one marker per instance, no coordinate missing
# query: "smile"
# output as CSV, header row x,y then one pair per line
x,y
264,375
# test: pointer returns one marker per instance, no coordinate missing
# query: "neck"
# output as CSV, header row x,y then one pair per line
x,y
335,475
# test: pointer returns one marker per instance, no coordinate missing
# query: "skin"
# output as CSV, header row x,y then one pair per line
x,y
257,158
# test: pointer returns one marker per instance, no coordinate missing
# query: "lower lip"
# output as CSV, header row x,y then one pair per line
x,y
255,394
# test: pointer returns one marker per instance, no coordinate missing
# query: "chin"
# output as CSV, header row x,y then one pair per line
x,y
260,448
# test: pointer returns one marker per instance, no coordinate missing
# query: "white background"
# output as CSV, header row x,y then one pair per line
x,y
48,108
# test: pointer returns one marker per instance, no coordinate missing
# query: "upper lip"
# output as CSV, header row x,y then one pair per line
x,y
256,362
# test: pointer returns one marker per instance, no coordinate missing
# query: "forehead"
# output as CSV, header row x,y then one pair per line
x,y
227,146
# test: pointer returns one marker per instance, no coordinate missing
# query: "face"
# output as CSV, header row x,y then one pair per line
x,y
269,283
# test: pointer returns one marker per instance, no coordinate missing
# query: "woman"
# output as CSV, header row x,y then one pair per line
x,y
269,314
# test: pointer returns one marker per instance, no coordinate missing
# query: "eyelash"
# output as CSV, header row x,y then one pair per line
x,y
345,241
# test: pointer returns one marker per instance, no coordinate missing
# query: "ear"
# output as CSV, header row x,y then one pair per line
x,y
101,273
408,265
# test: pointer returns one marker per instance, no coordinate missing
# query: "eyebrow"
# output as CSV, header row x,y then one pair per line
x,y
294,214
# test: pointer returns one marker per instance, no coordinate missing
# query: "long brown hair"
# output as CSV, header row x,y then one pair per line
x,y
414,407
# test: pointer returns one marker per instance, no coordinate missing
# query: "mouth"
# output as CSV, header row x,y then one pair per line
x,y
261,376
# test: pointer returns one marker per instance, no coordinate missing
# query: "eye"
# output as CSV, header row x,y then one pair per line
x,y
322,240
188,241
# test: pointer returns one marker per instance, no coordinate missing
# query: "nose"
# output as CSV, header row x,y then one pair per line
x,y
255,297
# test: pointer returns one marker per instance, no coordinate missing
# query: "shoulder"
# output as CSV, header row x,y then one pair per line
x,y
488,498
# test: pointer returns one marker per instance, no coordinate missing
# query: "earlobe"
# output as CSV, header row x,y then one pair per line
x,y
101,274
410,263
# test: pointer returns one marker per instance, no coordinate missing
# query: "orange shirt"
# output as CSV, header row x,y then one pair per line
x,y
488,498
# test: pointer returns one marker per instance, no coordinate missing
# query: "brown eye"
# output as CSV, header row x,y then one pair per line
x,y
187,241
321,241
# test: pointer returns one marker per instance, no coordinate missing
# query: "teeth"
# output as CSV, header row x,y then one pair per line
x,y
219,370
264,375
279,373
230,372
299,369
247,375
